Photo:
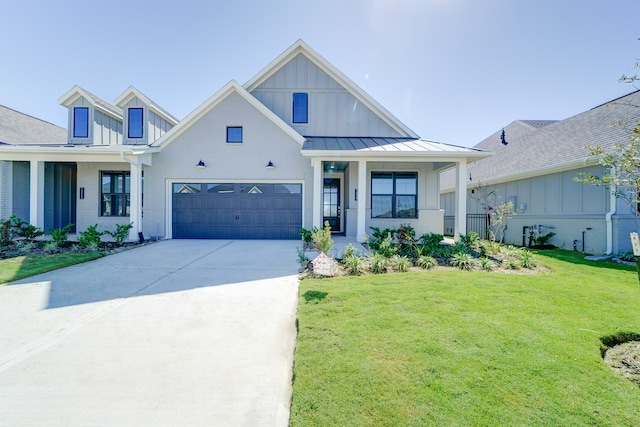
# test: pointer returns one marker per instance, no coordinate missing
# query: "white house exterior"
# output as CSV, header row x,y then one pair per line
x,y
536,168
297,145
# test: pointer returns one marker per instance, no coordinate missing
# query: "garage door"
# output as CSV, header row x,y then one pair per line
x,y
236,211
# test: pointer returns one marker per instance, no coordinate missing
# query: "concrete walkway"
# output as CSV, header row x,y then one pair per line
x,y
180,332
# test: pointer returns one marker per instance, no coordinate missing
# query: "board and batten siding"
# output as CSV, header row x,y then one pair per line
x,y
103,129
154,125
333,110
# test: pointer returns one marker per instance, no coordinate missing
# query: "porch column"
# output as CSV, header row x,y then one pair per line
x,y
460,226
362,201
317,192
135,200
36,193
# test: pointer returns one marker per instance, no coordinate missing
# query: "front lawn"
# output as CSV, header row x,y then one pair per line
x,y
19,267
466,348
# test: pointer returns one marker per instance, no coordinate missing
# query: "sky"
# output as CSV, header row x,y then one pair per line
x,y
454,71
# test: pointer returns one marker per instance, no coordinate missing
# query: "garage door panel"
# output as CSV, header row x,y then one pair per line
x,y
256,212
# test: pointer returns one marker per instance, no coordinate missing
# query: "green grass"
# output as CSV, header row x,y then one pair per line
x,y
25,266
457,348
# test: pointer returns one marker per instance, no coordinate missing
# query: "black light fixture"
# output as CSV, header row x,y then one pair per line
x,y
270,165
201,165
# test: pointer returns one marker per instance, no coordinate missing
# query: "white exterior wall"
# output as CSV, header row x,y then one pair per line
x,y
88,209
333,111
430,216
205,140
157,126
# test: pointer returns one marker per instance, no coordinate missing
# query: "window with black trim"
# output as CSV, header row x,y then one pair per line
x,y
300,107
114,193
135,123
81,122
394,195
234,134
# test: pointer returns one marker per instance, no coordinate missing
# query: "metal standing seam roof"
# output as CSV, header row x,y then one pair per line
x,y
381,144
17,128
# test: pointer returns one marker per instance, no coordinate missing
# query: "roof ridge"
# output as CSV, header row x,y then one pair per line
x,y
615,99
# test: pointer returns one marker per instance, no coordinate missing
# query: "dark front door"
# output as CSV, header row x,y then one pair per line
x,y
331,203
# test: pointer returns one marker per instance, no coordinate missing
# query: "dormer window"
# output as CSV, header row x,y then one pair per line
x,y
135,123
81,122
300,107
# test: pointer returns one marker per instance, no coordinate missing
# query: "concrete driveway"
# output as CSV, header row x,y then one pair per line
x,y
176,333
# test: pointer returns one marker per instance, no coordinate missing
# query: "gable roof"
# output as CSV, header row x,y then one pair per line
x,y
76,92
213,101
131,92
550,146
300,47
20,128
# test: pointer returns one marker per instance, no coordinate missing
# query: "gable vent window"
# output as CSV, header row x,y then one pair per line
x,y
234,134
300,108
135,123
80,122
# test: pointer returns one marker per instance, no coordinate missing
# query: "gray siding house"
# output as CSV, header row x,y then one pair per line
x,y
535,170
297,145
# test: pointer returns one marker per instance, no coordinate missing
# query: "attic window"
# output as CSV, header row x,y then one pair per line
x,y
135,123
81,122
300,108
234,134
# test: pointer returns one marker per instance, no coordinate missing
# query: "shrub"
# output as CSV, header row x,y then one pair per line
x,y
349,251
61,235
378,236
6,234
511,263
378,263
24,246
322,238
50,246
29,232
90,237
400,263
121,234
431,241
526,258
307,236
302,257
544,239
470,240
463,261
427,262
486,264
386,248
353,264
491,248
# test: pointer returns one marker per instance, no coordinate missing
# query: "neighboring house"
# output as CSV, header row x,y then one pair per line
x,y
297,145
20,129
535,170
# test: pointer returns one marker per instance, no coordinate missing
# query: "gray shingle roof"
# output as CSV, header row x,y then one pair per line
x,y
104,104
537,144
20,128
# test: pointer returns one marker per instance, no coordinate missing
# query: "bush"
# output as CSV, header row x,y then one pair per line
x,y
6,234
121,234
400,263
427,262
349,251
463,261
544,239
322,238
431,241
90,237
61,235
470,240
353,264
50,246
307,236
486,264
386,248
378,263
526,258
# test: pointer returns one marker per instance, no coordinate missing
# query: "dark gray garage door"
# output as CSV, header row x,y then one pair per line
x,y
236,211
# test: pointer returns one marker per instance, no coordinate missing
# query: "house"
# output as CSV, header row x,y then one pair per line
x,y
20,129
295,146
534,166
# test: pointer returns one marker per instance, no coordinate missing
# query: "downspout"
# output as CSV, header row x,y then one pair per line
x,y
613,201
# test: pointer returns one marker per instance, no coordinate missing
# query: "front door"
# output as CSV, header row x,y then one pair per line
x,y
331,204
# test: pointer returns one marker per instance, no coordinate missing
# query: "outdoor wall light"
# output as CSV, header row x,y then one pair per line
x,y
270,165
201,165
